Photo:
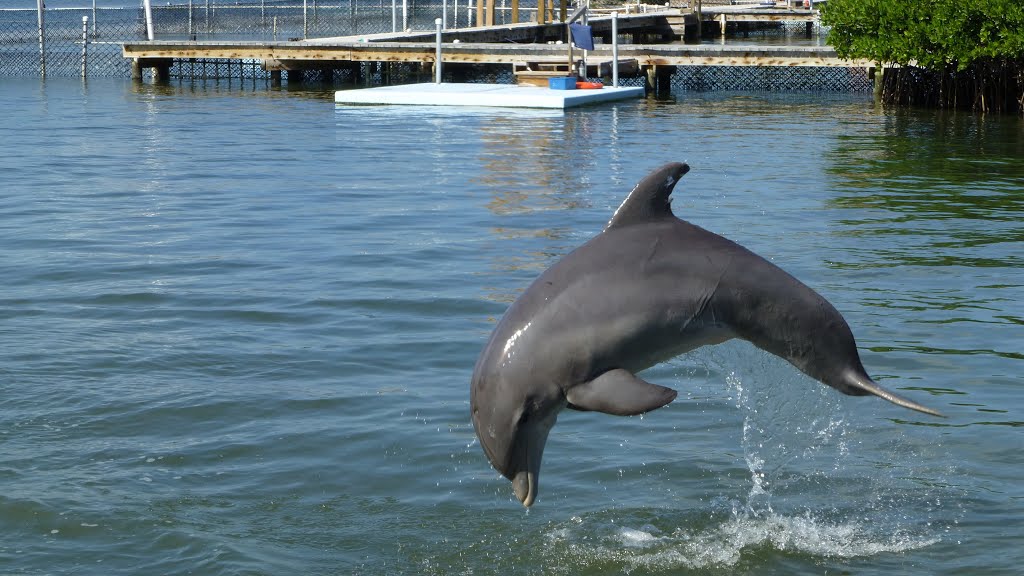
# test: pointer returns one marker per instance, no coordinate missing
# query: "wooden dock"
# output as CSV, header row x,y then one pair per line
x,y
525,45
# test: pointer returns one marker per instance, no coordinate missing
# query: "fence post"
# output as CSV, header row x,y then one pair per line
x,y
85,44
93,18
149,19
305,26
615,49
437,56
42,38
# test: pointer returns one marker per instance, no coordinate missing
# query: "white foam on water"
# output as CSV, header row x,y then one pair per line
x,y
637,538
724,544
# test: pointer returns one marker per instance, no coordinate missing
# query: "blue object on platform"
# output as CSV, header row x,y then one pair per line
x,y
582,36
562,83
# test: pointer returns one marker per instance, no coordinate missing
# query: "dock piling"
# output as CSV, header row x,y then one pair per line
x,y
615,49
85,44
437,54
40,9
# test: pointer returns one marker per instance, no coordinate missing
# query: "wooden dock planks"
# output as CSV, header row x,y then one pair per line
x,y
323,54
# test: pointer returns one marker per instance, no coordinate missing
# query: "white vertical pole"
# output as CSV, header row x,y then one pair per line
x,y
394,16
40,8
405,15
149,19
444,14
85,43
93,18
615,49
189,19
437,56
305,27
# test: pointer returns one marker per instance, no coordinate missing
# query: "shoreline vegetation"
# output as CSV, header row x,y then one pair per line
x,y
960,54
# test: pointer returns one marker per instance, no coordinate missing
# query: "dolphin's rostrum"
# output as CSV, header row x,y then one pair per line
x,y
647,288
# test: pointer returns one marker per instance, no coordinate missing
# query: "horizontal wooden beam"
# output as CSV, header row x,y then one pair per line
x,y
486,53
745,17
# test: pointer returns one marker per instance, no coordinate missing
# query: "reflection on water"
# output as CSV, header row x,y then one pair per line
x,y
240,327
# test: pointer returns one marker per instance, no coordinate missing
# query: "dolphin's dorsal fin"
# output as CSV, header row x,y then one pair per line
x,y
649,198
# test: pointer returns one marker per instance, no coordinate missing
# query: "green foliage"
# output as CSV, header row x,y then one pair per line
x,y
934,34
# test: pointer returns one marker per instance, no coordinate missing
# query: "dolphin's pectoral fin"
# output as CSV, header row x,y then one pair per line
x,y
620,393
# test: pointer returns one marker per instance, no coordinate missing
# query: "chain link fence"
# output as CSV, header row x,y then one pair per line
x,y
67,42
58,51
295,20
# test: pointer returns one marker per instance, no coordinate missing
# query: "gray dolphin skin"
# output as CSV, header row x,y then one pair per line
x,y
647,288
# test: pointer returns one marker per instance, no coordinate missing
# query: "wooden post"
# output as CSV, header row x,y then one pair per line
x,y
162,72
136,70
275,78
879,86
480,12
563,6
664,79
515,11
490,12
700,19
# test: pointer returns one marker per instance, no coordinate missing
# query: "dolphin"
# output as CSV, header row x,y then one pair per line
x,y
647,288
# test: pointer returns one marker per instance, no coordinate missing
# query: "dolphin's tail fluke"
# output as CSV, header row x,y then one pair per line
x,y
861,385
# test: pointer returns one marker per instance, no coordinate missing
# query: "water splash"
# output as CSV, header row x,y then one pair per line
x,y
724,543
820,486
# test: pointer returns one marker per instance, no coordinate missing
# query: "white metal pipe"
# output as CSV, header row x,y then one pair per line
x,y
40,8
394,16
405,15
615,49
437,56
85,43
149,19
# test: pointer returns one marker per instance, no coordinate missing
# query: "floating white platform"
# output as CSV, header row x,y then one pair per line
x,y
491,95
